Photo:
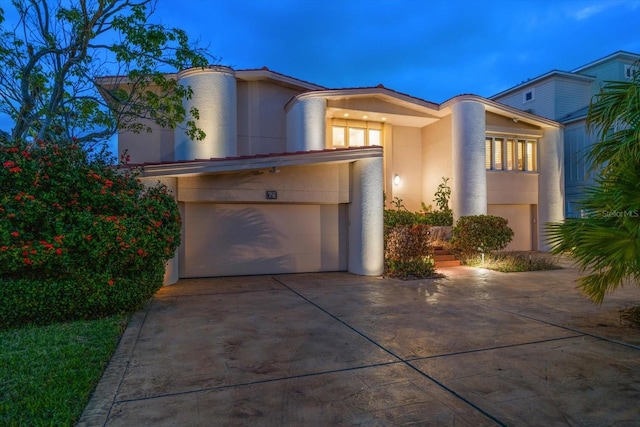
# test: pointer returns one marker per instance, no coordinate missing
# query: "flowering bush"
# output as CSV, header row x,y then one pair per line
x,y
78,237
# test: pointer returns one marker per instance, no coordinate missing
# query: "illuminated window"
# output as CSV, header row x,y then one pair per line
x,y
510,144
352,133
520,155
356,137
339,139
531,156
511,154
497,160
375,137
488,149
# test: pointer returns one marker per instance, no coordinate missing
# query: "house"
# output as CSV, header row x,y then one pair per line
x,y
564,96
291,175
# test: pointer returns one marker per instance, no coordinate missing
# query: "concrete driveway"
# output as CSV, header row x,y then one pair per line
x,y
475,348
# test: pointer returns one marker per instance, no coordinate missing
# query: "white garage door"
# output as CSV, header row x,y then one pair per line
x,y
243,239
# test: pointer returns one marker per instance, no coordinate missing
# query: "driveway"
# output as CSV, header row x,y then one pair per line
x,y
476,348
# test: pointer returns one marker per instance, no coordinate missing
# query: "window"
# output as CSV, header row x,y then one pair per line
x,y
497,160
339,139
528,96
511,154
531,156
630,71
354,133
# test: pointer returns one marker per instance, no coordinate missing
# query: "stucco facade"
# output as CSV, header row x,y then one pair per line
x,y
291,175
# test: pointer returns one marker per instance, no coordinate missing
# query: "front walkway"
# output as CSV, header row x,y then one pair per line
x,y
476,348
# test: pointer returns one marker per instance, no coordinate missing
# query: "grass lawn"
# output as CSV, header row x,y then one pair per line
x,y
47,373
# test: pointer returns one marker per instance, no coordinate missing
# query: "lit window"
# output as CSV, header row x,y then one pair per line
x,y
356,137
497,161
510,154
488,149
520,155
510,143
531,156
353,133
375,137
338,136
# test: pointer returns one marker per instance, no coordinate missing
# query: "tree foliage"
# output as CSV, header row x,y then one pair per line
x,y
606,243
55,59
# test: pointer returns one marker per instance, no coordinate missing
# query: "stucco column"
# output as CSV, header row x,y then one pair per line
x,y
171,270
550,182
469,183
306,124
214,95
366,239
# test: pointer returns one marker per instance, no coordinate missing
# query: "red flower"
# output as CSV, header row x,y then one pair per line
x,y
58,238
140,252
15,234
8,164
58,251
27,261
15,169
111,282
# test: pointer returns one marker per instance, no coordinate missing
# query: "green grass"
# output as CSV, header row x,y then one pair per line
x,y
47,373
508,262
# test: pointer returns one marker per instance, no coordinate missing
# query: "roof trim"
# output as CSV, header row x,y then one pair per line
x,y
266,74
504,110
260,161
364,92
549,75
621,53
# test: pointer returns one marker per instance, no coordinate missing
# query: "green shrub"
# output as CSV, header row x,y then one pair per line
x,y
408,252
509,262
78,237
480,233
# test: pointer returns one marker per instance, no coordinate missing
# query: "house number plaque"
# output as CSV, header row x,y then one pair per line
x,y
272,195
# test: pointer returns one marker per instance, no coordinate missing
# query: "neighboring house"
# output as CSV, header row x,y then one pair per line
x,y
565,97
291,175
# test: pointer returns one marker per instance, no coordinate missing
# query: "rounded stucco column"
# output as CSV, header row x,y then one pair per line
x,y
214,95
469,189
366,235
550,182
306,124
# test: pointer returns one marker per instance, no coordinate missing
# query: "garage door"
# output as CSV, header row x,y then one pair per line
x,y
244,239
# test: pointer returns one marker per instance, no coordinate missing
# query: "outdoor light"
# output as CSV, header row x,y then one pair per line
x,y
396,179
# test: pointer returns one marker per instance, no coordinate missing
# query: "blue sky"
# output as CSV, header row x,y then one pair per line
x,y
430,49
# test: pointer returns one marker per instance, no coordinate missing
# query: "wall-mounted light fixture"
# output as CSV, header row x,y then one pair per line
x,y
396,179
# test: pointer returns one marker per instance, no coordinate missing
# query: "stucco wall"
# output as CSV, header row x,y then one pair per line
x,y
144,147
436,158
520,221
261,117
298,184
512,188
407,163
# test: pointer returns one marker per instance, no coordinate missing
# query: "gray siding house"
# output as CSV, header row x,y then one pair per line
x,y
565,96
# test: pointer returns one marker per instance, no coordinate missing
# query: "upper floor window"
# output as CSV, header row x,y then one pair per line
x,y
511,154
630,71
352,133
528,96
